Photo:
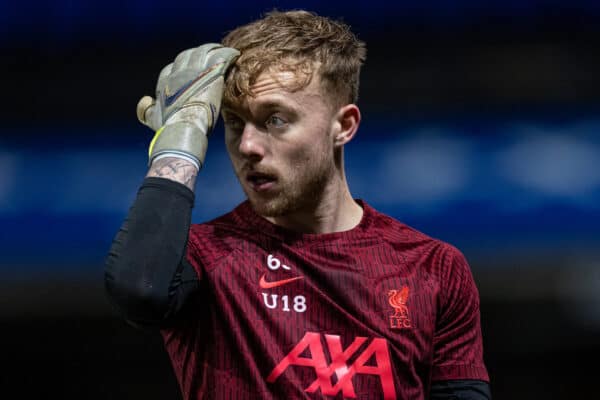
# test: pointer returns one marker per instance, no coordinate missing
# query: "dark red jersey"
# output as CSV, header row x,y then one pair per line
x,y
377,312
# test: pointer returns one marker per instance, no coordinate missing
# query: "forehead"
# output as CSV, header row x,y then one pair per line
x,y
277,81
288,88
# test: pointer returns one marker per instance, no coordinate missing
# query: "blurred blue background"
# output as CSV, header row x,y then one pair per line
x,y
480,127
490,185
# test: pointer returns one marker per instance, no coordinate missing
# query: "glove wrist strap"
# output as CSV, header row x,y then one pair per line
x,y
181,139
181,156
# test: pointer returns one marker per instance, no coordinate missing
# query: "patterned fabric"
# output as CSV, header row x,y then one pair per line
x,y
377,312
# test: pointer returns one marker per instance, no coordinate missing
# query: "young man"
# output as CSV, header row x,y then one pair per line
x,y
301,291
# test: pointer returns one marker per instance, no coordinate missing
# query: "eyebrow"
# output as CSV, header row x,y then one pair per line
x,y
261,105
269,103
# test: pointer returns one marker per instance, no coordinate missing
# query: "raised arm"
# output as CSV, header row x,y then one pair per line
x,y
147,276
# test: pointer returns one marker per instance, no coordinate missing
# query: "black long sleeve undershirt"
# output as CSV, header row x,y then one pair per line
x,y
146,274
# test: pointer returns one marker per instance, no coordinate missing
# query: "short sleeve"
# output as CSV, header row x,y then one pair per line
x,y
458,347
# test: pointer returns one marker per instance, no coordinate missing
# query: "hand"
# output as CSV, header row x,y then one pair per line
x,y
188,98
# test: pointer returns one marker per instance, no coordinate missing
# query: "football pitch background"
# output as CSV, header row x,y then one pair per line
x,y
481,127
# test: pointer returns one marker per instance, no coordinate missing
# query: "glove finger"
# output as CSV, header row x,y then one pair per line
x,y
182,60
200,54
225,55
143,105
165,71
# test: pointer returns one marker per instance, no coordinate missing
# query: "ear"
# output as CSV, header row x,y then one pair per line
x,y
347,120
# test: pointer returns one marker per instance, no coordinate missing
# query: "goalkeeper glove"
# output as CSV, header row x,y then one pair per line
x,y
188,98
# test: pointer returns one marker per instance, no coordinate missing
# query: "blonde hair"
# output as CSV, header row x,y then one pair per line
x,y
297,41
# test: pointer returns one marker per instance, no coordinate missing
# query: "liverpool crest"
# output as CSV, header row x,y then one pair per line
x,y
397,299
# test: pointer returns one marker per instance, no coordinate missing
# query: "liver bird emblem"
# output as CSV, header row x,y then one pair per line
x,y
397,299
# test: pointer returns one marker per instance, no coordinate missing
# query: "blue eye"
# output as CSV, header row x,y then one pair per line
x,y
275,122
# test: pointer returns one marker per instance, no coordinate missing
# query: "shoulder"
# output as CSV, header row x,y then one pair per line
x,y
213,240
230,222
392,230
417,247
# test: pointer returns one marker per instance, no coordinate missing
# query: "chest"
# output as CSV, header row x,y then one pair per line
x,y
356,322
370,292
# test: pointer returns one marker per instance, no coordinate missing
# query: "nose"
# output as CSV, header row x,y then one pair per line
x,y
252,143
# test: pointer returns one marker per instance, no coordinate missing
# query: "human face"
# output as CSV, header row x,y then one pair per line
x,y
280,144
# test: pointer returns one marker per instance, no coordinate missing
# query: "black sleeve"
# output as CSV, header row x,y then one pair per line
x,y
146,275
467,389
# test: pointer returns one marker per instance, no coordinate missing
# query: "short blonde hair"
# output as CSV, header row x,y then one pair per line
x,y
296,41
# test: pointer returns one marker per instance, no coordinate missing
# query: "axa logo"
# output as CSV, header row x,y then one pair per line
x,y
397,299
339,367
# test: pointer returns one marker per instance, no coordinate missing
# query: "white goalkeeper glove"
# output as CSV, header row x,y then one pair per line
x,y
188,98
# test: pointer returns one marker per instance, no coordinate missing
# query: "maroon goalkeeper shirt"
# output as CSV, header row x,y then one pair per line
x,y
377,312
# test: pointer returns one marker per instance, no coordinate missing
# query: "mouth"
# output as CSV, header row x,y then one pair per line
x,y
260,182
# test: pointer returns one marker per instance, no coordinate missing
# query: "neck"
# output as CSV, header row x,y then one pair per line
x,y
335,211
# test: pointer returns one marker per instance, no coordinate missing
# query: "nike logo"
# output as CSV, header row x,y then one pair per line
x,y
269,285
170,98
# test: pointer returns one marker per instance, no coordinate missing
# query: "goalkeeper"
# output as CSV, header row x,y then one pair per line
x,y
301,291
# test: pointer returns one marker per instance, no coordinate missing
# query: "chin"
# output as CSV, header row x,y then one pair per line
x,y
287,199
275,204
275,207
